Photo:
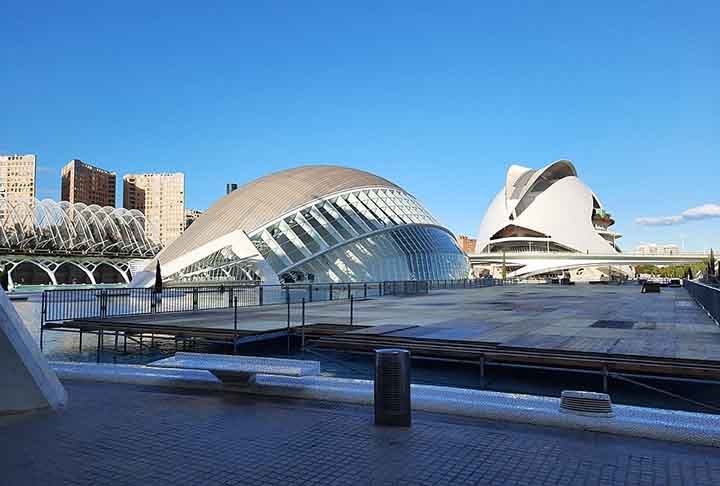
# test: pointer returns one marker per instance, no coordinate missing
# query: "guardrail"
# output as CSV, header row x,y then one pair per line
x,y
68,304
706,296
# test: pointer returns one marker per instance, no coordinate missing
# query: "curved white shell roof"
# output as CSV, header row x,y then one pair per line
x,y
256,203
314,223
550,206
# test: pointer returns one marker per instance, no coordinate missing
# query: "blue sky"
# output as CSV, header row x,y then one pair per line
x,y
439,97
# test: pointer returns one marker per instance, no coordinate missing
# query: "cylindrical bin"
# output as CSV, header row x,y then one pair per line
x,y
392,387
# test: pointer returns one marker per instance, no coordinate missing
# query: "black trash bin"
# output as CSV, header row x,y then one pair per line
x,y
392,387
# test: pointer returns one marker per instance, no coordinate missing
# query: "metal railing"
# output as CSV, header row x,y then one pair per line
x,y
69,304
706,296
471,283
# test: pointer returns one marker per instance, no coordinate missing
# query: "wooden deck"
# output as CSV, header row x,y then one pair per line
x,y
608,328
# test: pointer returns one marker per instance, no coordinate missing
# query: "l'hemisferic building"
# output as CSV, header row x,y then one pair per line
x,y
313,224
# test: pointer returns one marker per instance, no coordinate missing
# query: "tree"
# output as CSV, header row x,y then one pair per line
x,y
504,266
158,279
5,277
711,264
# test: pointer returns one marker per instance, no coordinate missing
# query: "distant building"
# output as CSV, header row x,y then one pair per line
x,y
84,183
191,215
17,185
655,249
230,188
161,198
466,243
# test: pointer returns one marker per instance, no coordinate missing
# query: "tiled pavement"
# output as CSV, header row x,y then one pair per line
x,y
119,435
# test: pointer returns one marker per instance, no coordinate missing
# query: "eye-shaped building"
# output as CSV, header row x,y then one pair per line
x,y
313,224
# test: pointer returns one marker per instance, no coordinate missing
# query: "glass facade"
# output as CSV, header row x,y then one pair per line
x,y
223,265
363,235
371,234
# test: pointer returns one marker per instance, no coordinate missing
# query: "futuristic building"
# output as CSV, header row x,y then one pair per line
x,y
546,211
50,242
313,224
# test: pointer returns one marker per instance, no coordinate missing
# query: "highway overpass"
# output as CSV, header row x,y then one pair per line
x,y
535,263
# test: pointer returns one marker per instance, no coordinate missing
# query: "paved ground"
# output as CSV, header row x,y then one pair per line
x,y
587,318
124,435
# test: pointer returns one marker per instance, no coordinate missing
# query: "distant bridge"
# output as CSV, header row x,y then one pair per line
x,y
27,269
538,262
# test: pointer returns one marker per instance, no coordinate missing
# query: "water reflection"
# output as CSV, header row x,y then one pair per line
x,y
65,346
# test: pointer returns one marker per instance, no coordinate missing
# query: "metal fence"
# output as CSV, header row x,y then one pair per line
x,y
68,304
61,305
706,296
471,283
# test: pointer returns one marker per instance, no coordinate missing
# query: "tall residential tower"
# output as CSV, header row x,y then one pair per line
x,y
17,185
161,198
87,184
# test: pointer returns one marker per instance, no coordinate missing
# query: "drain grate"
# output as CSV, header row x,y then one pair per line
x,y
586,403
612,324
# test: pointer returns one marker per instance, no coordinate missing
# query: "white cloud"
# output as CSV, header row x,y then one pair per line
x,y
700,212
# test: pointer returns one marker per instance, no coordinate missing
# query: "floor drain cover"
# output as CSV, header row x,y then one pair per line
x,y
610,324
586,403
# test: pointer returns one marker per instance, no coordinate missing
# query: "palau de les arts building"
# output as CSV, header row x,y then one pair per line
x,y
313,224
548,211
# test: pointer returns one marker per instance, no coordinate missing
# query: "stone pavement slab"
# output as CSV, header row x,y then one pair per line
x,y
128,435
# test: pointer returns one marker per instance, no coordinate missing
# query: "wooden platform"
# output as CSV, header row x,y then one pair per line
x,y
611,328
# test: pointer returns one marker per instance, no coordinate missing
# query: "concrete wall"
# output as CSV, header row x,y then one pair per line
x,y
26,380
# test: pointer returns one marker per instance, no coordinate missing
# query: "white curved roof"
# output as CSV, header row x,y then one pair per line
x,y
520,180
552,204
256,203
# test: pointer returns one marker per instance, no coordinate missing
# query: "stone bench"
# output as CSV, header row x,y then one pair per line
x,y
650,288
239,369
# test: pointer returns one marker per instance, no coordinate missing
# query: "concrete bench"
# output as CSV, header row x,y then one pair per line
x,y
239,369
650,288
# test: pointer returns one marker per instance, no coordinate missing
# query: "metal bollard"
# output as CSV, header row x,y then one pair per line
x,y
392,387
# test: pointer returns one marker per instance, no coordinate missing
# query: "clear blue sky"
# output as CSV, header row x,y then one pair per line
x,y
439,97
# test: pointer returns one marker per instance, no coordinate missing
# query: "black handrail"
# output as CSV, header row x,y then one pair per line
x,y
72,304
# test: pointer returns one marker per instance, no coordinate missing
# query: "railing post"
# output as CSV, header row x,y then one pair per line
x,y
99,344
365,290
103,304
302,327
260,295
288,324
195,298
310,294
352,300
349,290
43,311
331,288
235,325
287,295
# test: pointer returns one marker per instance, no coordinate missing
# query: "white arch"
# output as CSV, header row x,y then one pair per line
x,y
49,272
85,270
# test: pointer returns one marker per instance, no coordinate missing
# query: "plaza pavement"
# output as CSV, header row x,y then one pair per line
x,y
130,435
